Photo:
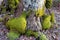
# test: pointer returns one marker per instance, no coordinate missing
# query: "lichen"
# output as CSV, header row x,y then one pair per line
x,y
33,4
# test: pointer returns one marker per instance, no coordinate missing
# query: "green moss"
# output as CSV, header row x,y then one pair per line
x,y
43,37
52,17
12,4
12,35
3,8
46,24
32,33
40,12
17,1
1,19
18,24
48,3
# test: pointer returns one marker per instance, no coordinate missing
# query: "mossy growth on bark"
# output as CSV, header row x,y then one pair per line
x,y
48,4
18,24
43,37
53,17
12,35
46,24
31,33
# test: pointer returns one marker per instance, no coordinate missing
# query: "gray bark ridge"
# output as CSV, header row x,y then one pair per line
x,y
33,23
